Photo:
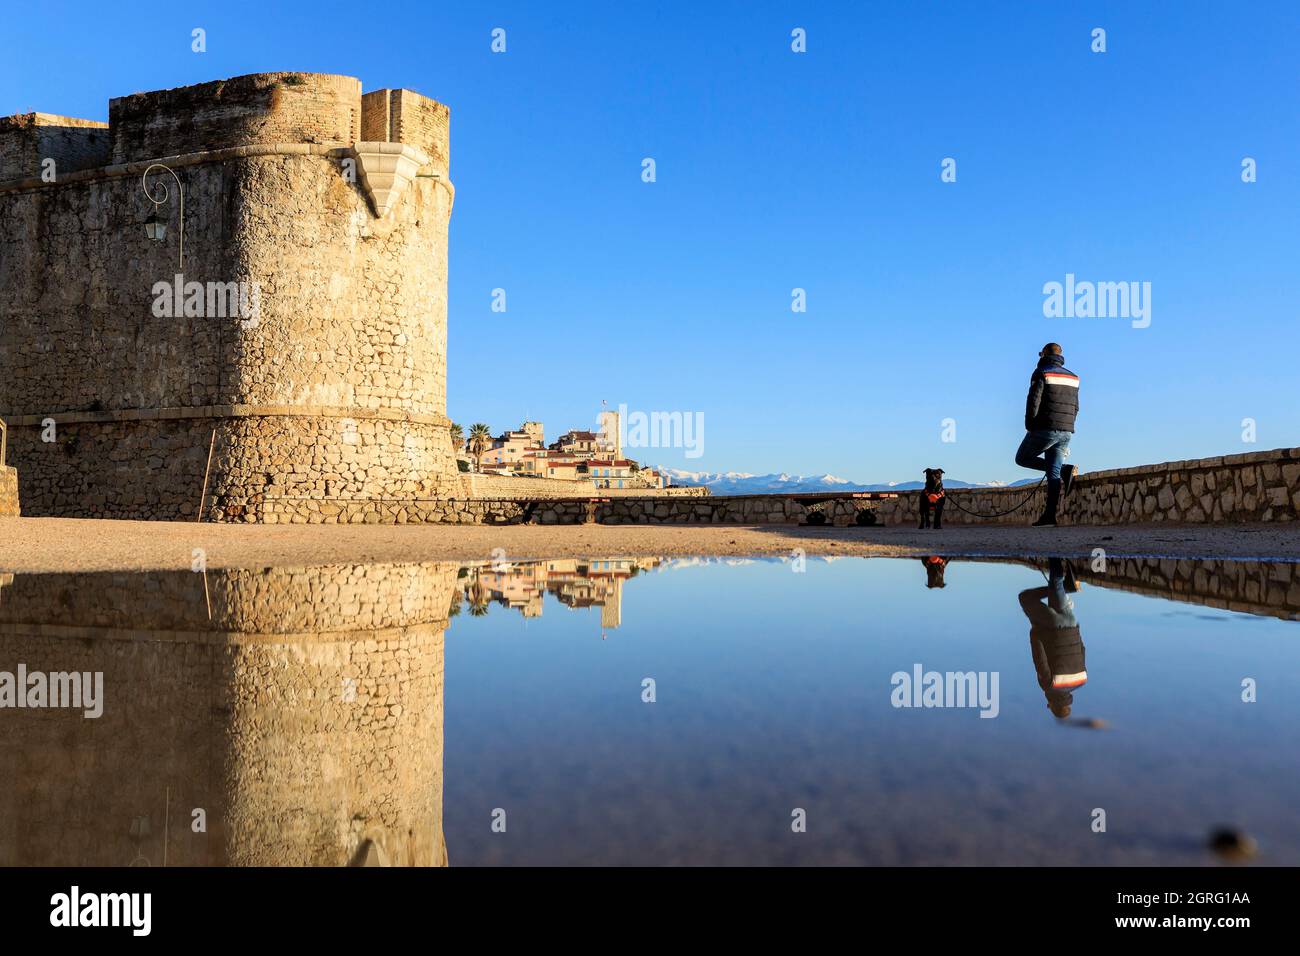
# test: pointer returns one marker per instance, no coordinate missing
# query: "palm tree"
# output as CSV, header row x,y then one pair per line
x,y
457,437
478,596
480,439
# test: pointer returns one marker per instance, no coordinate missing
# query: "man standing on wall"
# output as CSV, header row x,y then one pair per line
x,y
1050,411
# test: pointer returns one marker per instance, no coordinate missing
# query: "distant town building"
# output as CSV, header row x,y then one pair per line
x,y
577,443
508,450
577,455
610,440
535,432
613,472
570,469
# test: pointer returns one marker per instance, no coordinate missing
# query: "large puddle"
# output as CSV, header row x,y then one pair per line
x,y
653,711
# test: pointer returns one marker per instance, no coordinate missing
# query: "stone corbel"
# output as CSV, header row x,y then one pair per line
x,y
385,169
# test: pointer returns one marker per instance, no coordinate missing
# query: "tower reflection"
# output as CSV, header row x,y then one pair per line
x,y
250,717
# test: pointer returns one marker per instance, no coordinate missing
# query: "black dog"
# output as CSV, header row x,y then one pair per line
x,y
932,497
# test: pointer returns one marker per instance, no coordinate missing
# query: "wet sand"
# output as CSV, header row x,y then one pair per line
x,y
72,544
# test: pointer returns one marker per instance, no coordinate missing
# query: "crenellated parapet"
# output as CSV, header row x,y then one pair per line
x,y
259,108
31,142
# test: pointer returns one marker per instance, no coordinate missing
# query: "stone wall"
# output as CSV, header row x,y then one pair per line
x,y
335,386
725,509
1255,487
672,491
629,509
241,111
520,488
1261,486
29,139
300,709
510,487
402,116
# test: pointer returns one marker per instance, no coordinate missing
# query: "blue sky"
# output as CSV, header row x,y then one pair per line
x,y
820,170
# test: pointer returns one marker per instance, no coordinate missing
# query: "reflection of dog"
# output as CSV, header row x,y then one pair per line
x,y
934,566
932,497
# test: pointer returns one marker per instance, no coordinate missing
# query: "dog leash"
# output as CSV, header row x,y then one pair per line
x,y
998,514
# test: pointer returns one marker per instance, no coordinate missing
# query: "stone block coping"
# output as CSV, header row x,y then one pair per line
x,y
227,411
137,168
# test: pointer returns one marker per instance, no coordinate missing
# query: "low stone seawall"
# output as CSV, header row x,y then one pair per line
x,y
1250,488
728,509
501,486
1261,486
672,491
8,492
1234,489
598,508
520,488
494,499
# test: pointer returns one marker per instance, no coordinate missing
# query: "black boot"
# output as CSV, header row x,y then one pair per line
x,y
1048,519
1067,480
1071,582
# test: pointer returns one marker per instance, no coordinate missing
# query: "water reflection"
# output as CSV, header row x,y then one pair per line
x,y
576,583
1054,637
934,567
298,716
1055,641
285,716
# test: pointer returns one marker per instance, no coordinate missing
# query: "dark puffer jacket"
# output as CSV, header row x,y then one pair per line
x,y
1053,397
1056,645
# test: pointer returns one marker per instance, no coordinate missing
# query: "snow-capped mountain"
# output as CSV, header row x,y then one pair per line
x,y
744,483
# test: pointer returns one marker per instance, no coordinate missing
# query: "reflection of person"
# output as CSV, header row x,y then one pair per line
x,y
934,566
1054,638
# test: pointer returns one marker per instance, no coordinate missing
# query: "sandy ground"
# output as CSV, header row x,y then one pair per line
x,y
70,544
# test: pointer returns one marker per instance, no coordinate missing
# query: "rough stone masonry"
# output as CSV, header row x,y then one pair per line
x,y
331,206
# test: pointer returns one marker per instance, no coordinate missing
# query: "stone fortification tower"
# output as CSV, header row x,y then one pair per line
x,y
302,350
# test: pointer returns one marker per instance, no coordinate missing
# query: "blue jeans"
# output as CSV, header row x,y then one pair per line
x,y
1044,450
